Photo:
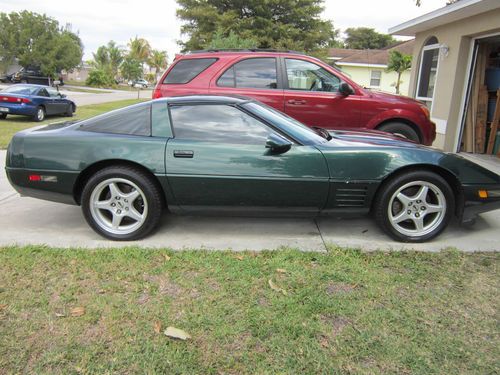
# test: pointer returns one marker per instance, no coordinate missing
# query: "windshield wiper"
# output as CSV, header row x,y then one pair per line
x,y
322,132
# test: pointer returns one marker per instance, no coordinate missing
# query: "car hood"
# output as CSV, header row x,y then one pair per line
x,y
393,98
369,138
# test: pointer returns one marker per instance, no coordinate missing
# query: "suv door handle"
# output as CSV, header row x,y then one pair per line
x,y
183,154
297,102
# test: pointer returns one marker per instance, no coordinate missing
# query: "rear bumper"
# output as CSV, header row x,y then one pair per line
x,y
18,109
428,132
474,205
57,188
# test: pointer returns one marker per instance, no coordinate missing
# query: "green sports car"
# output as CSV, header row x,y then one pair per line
x,y
235,156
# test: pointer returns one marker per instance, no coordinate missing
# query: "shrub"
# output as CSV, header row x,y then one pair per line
x,y
99,78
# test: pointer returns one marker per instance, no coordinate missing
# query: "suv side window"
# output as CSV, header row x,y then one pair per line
x,y
187,69
306,76
217,123
254,73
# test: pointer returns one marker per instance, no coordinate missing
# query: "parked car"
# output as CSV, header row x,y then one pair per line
x,y
138,83
36,101
229,155
34,75
6,78
303,87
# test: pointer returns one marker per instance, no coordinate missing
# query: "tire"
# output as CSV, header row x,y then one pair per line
x,y
40,114
70,111
3,116
408,217
136,204
401,129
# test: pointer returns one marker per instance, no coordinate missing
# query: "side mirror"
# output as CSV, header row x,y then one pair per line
x,y
278,144
346,89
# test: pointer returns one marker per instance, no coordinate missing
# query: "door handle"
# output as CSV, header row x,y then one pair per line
x,y
296,102
183,154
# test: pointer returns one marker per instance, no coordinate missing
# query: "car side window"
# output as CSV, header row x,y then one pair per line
x,y
254,73
53,93
43,92
307,76
217,123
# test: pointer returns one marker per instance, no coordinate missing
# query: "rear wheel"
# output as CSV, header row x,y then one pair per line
x,y
401,129
3,116
414,207
40,114
122,203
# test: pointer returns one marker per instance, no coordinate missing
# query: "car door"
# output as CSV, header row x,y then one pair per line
x,y
256,77
58,104
312,96
218,161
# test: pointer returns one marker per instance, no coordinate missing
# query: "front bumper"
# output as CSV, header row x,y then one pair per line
x,y
474,205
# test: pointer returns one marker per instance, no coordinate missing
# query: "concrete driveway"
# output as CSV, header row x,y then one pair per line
x,y
26,221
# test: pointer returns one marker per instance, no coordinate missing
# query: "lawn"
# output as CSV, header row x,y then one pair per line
x,y
13,124
104,311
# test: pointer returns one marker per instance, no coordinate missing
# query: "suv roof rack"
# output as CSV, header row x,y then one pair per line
x,y
244,50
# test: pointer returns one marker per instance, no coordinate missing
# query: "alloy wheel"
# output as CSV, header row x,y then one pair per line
x,y
118,206
417,208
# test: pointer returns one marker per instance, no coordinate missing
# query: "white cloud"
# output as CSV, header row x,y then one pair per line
x,y
120,20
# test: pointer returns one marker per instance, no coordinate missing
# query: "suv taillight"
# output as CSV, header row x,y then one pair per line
x,y
157,93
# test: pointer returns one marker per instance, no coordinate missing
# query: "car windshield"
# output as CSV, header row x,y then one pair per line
x,y
289,125
21,89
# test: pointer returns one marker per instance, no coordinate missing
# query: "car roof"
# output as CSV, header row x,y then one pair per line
x,y
217,99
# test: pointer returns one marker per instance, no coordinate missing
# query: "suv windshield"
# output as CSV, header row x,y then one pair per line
x,y
294,128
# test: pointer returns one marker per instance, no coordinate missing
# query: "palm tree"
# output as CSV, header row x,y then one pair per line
x,y
140,49
115,55
159,61
399,63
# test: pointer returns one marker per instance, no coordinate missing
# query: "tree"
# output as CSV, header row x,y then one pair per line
x,y
108,58
37,40
158,60
139,49
131,68
366,38
399,63
221,41
291,24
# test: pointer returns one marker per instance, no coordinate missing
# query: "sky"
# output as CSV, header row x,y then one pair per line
x,y
98,21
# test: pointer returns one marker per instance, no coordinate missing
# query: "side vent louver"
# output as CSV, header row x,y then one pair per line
x,y
351,196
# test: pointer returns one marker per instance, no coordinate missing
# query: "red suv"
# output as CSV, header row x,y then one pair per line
x,y
303,87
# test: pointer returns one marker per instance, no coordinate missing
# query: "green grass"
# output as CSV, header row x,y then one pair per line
x,y
13,124
345,312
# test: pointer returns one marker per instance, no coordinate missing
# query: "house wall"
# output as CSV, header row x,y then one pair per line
x,y
452,71
361,75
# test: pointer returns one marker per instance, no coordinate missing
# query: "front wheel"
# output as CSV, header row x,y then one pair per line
x,y
414,207
122,203
400,129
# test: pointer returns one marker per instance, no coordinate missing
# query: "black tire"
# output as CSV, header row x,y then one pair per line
x,y
151,192
384,200
3,116
70,111
401,129
40,114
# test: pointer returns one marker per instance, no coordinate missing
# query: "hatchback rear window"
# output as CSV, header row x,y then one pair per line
x,y
187,69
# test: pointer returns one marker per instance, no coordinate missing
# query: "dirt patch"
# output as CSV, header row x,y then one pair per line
x,y
166,287
339,288
143,298
335,324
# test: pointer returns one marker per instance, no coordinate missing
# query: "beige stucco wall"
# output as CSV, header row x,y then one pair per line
x,y
361,75
452,71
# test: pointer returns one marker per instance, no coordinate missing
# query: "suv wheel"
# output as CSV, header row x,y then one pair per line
x,y
401,129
